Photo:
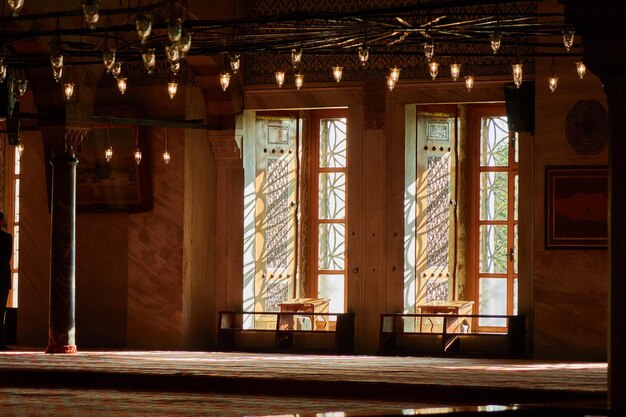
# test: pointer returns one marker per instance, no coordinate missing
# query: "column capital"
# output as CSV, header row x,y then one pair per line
x,y
226,144
63,136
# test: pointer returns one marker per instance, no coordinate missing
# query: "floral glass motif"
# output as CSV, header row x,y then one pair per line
x,y
333,141
278,212
438,211
494,142
332,238
494,195
332,195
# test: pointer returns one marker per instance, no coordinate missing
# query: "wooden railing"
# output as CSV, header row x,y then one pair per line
x,y
286,331
452,334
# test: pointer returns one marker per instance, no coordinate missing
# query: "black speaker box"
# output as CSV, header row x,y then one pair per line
x,y
520,106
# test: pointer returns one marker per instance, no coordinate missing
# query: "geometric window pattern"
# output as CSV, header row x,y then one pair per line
x,y
437,211
278,212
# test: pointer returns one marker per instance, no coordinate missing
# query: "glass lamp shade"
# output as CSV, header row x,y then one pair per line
x,y
581,69
174,30
57,73
224,80
91,9
116,69
296,56
518,74
429,50
299,80
172,52
108,153
390,83
174,67
108,58
20,148
121,85
568,39
337,73
68,90
143,25
172,88
56,61
433,67
3,71
184,44
455,71
553,81
235,63
22,86
166,157
149,60
364,54
394,74
137,156
495,40
469,82
280,78
15,6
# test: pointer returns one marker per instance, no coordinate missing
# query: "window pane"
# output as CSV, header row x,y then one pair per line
x,y
515,245
331,246
16,247
516,195
492,300
515,296
493,249
16,217
516,146
494,142
333,141
332,288
332,195
17,162
494,195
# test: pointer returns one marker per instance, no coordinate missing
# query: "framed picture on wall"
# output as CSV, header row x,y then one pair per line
x,y
577,207
119,184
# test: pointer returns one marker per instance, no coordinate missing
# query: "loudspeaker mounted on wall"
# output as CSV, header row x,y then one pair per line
x,y
520,106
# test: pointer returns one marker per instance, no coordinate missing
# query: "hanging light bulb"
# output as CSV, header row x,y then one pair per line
x,y
172,52
116,69
15,6
172,88
553,81
137,156
391,83
149,60
143,25
20,147
174,30
166,157
280,78
433,66
469,82
22,86
299,80
455,71
296,56
394,74
184,44
495,39
174,67
56,61
518,74
91,9
3,71
108,58
429,50
364,54
337,73
108,153
568,39
68,90
57,73
121,84
224,80
581,69
235,63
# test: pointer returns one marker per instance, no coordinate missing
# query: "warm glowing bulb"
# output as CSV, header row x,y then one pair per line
x,y
56,61
235,63
581,69
429,50
172,52
137,156
174,67
174,30
20,148
224,80
166,157
364,54
3,71
15,6
116,69
143,25
280,78
172,88
57,73
455,71
299,80
391,83
469,82
394,74
337,73
149,60
296,56
91,9
22,86
517,74
433,66
553,81
495,39
108,153
121,84
108,57
568,39
68,89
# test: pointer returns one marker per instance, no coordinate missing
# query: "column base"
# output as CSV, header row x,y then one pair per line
x,y
62,349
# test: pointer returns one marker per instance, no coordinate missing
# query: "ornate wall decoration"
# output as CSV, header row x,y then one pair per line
x,y
375,104
587,127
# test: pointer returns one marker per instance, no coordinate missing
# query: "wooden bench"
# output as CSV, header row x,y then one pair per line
x,y
286,331
451,334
